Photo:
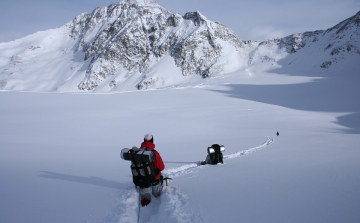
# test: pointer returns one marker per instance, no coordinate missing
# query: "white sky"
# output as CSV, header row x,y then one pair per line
x,y
250,19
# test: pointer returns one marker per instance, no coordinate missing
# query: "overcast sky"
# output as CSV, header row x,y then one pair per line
x,y
250,19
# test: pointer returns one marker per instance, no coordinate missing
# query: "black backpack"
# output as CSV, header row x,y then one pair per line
x,y
142,167
215,153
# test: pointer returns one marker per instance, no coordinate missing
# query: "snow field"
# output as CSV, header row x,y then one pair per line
x,y
60,154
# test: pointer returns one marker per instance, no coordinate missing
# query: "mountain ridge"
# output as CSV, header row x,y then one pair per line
x,y
137,44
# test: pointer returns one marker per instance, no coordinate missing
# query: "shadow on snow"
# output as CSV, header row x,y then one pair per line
x,y
97,181
331,94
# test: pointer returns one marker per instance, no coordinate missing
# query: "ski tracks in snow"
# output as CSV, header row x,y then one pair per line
x,y
189,168
125,209
172,202
268,142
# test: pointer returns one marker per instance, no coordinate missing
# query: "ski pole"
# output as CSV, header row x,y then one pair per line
x,y
138,216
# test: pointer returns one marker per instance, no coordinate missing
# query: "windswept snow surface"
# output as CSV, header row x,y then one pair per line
x,y
60,153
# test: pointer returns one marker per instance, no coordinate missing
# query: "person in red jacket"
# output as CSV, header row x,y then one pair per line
x,y
156,187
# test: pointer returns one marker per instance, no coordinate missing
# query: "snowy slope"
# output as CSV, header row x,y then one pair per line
x,y
60,153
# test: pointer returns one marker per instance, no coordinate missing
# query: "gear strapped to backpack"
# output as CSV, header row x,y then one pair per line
x,y
215,153
142,167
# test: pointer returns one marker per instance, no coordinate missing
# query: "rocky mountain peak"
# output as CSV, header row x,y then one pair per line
x,y
132,34
196,17
142,2
139,44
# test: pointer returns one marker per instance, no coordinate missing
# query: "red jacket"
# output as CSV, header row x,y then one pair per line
x,y
158,163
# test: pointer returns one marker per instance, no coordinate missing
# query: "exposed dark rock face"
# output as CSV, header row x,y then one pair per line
x,y
131,35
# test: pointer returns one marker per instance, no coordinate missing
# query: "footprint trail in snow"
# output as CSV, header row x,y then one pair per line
x,y
172,201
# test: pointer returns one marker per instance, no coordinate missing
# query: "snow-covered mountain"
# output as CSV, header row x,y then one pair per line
x,y
60,153
137,44
336,48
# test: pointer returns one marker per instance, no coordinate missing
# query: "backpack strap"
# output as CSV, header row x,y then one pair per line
x,y
132,154
156,171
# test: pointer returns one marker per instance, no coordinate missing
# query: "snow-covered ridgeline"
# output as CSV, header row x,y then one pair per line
x,y
133,45
326,49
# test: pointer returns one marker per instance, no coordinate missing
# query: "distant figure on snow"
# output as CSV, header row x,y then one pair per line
x,y
215,155
277,133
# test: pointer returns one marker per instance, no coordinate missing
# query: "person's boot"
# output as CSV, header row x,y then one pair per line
x,y
145,202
